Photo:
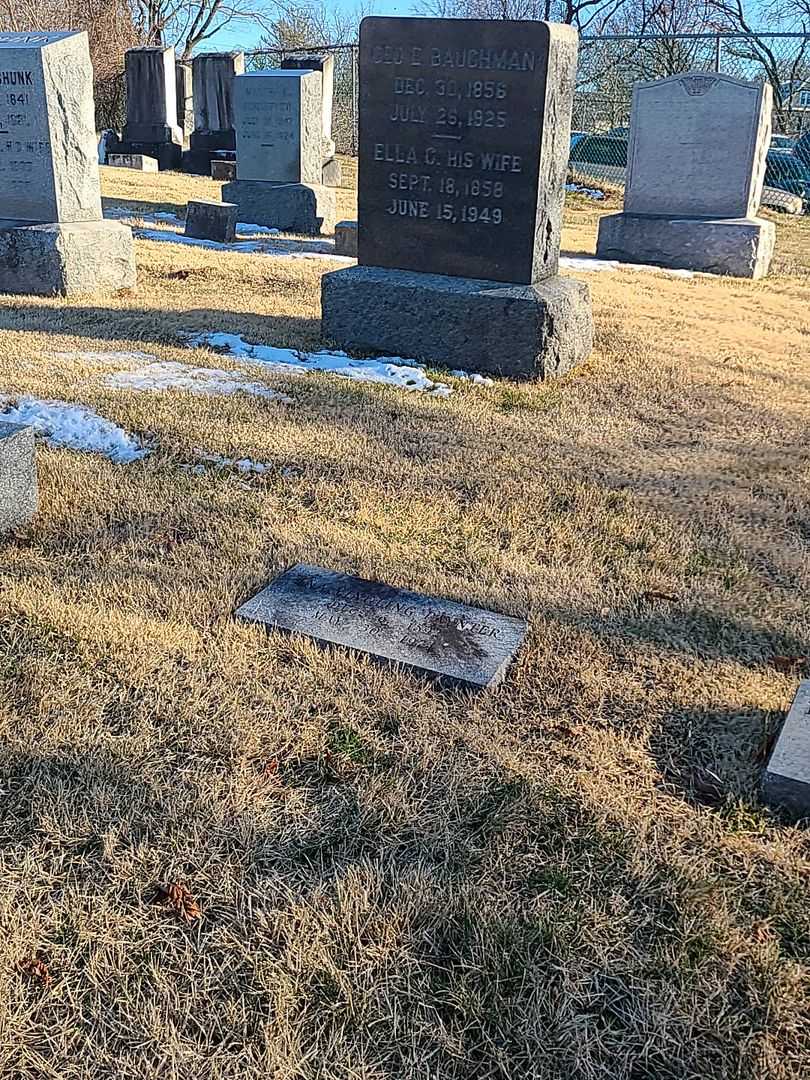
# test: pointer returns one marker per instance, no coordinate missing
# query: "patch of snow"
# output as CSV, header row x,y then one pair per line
x,y
473,377
591,264
76,428
247,247
244,465
589,193
390,370
170,375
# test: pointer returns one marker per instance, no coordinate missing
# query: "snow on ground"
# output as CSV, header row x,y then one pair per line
x,y
170,375
74,427
591,264
391,370
244,465
590,193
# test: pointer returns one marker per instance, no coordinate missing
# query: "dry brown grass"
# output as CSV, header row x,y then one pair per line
x,y
397,881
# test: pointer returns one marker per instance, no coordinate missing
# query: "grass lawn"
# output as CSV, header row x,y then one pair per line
x,y
572,878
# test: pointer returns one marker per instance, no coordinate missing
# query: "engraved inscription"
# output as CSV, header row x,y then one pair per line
x,y
450,137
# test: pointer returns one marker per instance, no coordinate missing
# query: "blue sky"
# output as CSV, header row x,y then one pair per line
x,y
243,37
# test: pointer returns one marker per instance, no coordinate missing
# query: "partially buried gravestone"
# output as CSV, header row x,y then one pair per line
x,y
459,644
138,162
152,127
464,133
18,476
346,239
279,152
325,63
211,221
53,239
214,131
695,173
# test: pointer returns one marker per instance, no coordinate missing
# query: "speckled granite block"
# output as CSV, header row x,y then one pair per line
x,y
18,476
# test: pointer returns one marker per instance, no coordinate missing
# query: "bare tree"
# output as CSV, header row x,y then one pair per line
x,y
595,16
187,24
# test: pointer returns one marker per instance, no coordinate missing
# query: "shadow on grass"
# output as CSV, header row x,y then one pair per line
x,y
139,206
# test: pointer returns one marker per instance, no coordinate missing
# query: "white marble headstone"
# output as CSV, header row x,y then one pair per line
x,y
48,146
698,144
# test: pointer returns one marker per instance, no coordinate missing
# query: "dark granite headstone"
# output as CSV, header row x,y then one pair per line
x,y
464,145
457,643
211,221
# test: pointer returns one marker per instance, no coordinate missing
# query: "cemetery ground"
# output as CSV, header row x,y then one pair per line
x,y
570,877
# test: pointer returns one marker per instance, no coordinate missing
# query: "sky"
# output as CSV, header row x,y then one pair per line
x,y
242,36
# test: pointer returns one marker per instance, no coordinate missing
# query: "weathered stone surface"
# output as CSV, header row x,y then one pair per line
x,y
464,144
786,780
18,476
213,93
140,162
518,331
223,170
211,221
300,208
346,239
459,644
740,248
325,63
168,155
777,199
278,126
67,259
185,99
332,173
48,147
698,144
151,97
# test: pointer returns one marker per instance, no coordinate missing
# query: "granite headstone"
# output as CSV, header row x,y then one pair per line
x,y
18,476
452,641
152,127
185,99
211,221
214,118
325,64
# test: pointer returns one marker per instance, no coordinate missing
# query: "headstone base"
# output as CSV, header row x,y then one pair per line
x,y
299,208
18,476
517,331
205,147
66,259
346,239
168,154
740,247
332,173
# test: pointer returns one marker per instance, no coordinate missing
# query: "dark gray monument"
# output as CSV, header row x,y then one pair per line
x,y
214,130
346,239
459,644
151,128
18,476
279,161
464,139
53,239
211,221
325,63
786,781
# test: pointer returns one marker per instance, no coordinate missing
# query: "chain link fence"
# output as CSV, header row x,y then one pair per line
x,y
608,68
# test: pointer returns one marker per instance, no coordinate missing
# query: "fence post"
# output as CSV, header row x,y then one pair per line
x,y
718,47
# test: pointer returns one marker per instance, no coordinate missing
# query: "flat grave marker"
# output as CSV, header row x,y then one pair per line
x,y
786,781
454,642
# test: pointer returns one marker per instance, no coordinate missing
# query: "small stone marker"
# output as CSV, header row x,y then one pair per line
x,y
152,127
140,162
459,644
18,476
211,221
53,240
695,173
223,170
213,82
464,143
786,781
346,239
279,152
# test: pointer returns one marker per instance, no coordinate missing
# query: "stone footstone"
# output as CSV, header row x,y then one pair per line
x,y
139,162
168,155
211,221
346,239
332,173
786,780
18,476
66,259
456,643
309,209
223,170
517,331
740,247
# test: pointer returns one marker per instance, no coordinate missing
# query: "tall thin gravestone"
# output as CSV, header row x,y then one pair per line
x,y
214,133
185,100
695,172
53,239
464,133
279,152
152,128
